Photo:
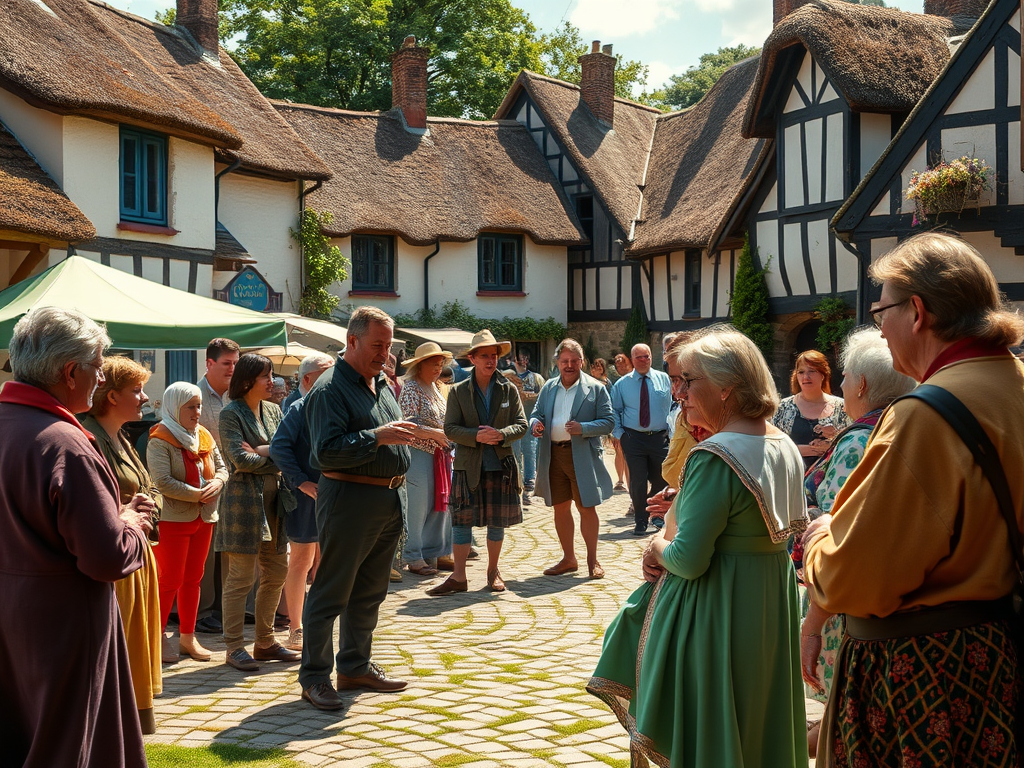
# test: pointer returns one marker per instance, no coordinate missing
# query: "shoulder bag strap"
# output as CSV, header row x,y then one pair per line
x,y
960,418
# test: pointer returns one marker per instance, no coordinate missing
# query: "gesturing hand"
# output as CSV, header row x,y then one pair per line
x,y
396,433
810,650
538,429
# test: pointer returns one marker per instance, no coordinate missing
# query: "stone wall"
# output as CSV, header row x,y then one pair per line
x,y
607,335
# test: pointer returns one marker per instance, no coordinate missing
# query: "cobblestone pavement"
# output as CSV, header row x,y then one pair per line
x,y
495,680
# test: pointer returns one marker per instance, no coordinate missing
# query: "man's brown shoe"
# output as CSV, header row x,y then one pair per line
x,y
323,696
375,680
445,563
276,652
447,587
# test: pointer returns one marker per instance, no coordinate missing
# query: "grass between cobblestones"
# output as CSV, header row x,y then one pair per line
x,y
216,756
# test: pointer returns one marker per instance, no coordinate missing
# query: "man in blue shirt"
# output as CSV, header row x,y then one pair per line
x,y
641,401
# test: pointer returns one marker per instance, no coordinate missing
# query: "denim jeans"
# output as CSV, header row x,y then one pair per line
x,y
529,450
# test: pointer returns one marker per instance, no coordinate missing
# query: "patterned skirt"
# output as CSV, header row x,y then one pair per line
x,y
496,502
948,699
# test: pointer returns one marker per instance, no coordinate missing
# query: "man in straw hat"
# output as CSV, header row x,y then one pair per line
x,y
484,418
360,444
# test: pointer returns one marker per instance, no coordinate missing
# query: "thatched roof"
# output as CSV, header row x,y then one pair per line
x,y
31,202
462,178
612,161
880,59
84,57
699,164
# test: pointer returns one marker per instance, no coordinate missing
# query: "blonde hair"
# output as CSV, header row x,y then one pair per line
x,y
956,286
120,373
728,359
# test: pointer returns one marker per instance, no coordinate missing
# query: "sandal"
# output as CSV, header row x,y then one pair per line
x,y
494,581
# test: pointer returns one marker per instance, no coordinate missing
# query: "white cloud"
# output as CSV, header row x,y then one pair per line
x,y
614,18
744,21
658,73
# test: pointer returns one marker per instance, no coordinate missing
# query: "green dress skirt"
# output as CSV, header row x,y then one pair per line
x,y
703,667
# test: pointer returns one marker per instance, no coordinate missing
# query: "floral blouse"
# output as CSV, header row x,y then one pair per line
x,y
422,407
834,414
845,457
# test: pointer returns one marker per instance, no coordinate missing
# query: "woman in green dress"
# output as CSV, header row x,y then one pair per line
x,y
702,666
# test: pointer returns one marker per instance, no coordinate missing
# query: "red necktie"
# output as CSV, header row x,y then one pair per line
x,y
645,404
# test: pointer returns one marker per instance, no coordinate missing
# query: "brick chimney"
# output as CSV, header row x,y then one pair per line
x,y
200,18
971,9
409,82
782,8
597,84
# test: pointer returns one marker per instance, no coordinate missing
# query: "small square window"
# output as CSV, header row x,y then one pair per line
x,y
500,265
143,177
373,263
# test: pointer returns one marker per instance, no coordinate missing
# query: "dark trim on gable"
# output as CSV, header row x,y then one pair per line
x,y
139,248
595,316
929,110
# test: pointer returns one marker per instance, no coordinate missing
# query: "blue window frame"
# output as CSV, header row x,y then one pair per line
x,y
691,303
143,176
373,263
500,262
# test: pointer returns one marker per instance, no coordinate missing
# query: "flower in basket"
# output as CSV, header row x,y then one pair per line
x,y
948,187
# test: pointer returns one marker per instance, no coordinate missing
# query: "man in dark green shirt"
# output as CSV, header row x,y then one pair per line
x,y
360,444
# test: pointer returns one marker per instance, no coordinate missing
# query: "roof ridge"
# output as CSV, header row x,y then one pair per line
x,y
436,119
151,23
574,87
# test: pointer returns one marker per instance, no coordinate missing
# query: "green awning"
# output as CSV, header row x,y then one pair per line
x,y
138,313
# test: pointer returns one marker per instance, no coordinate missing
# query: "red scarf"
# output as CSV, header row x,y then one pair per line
x,y
19,393
191,460
965,349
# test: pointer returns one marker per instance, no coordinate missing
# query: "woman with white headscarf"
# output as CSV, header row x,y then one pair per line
x,y
188,470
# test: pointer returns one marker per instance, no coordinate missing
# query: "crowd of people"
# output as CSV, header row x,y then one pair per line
x,y
860,549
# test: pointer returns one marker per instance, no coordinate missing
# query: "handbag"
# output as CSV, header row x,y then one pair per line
x,y
964,423
286,501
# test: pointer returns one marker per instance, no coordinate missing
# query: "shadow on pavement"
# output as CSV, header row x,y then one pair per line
x,y
315,723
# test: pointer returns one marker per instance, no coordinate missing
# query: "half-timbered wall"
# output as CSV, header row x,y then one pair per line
x,y
600,281
822,150
973,111
676,298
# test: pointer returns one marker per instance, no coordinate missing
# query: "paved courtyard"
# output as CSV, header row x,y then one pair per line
x,y
495,679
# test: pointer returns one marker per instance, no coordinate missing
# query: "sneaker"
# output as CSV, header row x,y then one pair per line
x,y
658,522
527,501
619,486
294,640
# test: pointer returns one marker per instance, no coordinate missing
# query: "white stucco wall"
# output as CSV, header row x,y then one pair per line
x,y
39,131
453,275
260,214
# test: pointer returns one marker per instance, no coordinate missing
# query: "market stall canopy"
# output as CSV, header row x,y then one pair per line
x,y
138,313
451,340
316,334
286,360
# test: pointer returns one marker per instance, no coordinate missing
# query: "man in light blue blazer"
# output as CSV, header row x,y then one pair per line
x,y
572,412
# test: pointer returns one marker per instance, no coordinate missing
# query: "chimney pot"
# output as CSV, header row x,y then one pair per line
x,y
200,18
595,46
782,8
606,50
409,82
597,83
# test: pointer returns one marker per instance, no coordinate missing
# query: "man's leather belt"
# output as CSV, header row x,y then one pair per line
x,y
646,431
388,482
928,621
561,443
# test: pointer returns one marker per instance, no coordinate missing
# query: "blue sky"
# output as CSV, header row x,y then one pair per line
x,y
667,35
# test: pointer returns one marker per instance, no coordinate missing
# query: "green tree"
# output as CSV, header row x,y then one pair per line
x,y
560,53
687,89
836,323
338,54
324,264
749,302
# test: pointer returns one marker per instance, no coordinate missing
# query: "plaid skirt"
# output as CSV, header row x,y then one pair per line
x,y
948,699
496,502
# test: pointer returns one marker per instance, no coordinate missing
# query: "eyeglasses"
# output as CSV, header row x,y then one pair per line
x,y
641,357
684,383
876,313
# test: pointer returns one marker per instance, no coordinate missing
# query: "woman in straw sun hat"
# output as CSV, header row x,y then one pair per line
x,y
423,402
484,418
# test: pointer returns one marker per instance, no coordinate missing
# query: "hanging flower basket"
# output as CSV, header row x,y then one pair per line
x,y
948,187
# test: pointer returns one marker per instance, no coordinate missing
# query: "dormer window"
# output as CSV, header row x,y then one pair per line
x,y
143,176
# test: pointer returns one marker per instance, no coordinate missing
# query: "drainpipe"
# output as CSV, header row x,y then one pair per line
x,y
216,187
426,274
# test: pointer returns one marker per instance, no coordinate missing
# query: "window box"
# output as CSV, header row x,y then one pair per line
x,y
143,177
500,264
